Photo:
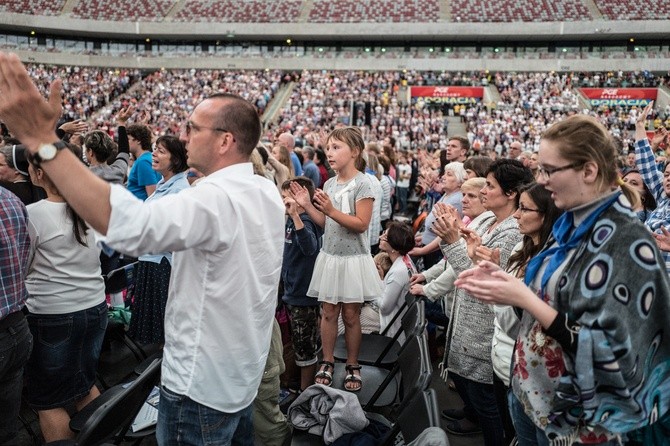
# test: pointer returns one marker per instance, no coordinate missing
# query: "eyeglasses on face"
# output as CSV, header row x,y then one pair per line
x,y
523,209
547,172
190,126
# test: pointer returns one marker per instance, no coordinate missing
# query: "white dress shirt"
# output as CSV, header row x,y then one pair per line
x,y
227,237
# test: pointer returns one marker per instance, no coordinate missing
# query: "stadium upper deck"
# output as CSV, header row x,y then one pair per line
x,y
342,11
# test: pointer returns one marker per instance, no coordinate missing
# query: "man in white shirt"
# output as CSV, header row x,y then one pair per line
x,y
227,238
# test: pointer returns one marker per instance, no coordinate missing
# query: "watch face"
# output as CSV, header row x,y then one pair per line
x,y
47,151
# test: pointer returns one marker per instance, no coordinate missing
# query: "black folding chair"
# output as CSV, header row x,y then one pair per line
x,y
380,350
419,414
110,416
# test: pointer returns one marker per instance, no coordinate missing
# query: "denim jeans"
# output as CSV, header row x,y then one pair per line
x,y
182,421
527,433
16,343
401,196
481,398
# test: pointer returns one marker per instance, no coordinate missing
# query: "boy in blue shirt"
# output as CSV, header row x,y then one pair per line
x,y
302,242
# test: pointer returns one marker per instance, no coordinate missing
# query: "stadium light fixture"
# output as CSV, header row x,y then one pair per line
x,y
496,50
288,41
631,40
430,50
32,33
383,50
447,50
367,50
565,50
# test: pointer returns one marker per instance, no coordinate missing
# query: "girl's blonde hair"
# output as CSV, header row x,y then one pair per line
x,y
581,139
352,137
285,159
384,261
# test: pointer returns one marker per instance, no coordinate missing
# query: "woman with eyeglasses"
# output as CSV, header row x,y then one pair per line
x,y
535,215
468,347
591,359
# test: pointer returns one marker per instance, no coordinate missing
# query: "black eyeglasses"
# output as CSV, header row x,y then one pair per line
x,y
547,172
190,126
523,209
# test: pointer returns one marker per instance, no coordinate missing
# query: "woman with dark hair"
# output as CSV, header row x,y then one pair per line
x,y
397,240
648,203
468,349
67,310
535,215
590,363
153,271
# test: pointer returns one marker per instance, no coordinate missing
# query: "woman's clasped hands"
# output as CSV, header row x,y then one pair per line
x,y
490,284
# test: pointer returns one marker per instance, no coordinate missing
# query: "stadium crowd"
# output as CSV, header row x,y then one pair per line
x,y
540,246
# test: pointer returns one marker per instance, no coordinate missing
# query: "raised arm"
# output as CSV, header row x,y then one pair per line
x,y
86,193
645,159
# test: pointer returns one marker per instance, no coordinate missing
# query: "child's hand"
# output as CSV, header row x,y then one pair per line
x,y
291,207
322,202
300,194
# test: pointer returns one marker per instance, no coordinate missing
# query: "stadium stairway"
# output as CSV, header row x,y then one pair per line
x,y
445,10
455,127
276,104
174,9
69,6
491,94
307,6
593,9
129,91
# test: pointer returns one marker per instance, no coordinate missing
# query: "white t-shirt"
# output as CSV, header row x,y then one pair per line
x,y
64,276
404,172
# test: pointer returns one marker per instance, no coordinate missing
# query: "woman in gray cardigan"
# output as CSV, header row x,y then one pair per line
x,y
468,349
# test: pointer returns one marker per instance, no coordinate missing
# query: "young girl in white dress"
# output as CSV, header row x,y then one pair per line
x,y
344,274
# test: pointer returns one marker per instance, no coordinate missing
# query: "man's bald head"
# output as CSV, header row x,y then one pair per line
x,y
287,140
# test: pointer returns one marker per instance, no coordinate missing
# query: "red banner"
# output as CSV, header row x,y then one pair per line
x,y
622,97
448,95
447,92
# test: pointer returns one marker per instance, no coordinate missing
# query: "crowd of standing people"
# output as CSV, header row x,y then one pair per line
x,y
547,269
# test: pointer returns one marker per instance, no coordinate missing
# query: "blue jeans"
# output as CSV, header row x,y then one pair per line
x,y
481,398
401,196
16,343
527,433
182,421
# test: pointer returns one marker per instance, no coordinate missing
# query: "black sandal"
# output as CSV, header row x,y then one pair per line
x,y
351,378
326,369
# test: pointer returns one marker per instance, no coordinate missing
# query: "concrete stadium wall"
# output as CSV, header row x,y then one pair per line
x,y
454,31
371,64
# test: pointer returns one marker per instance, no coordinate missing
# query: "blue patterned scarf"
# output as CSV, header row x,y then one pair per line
x,y
566,239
